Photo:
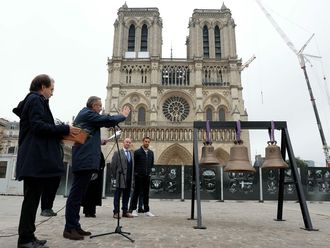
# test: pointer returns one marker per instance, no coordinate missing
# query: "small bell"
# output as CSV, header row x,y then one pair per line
x,y
208,157
273,157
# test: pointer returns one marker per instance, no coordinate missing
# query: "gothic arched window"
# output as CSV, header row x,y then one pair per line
x,y
141,116
128,120
219,76
222,115
131,38
11,150
144,38
206,42
209,114
217,43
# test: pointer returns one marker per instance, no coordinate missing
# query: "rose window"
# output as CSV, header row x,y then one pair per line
x,y
176,109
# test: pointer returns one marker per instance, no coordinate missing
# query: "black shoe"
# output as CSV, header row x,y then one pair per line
x,y
40,241
72,234
90,215
48,213
83,233
32,244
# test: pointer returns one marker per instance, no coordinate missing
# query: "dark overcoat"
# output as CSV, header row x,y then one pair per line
x,y
94,192
40,153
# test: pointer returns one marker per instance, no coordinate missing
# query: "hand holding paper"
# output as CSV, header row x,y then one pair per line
x,y
115,135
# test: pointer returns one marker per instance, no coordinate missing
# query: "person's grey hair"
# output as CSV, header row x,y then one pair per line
x,y
91,100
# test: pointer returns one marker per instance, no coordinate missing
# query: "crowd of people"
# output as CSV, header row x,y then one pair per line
x,y
40,165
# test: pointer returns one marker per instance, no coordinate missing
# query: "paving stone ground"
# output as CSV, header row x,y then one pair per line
x,y
228,224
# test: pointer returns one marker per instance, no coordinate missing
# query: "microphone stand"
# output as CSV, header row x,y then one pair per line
x,y
121,174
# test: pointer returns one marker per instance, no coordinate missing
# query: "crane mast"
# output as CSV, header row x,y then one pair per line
x,y
247,63
301,58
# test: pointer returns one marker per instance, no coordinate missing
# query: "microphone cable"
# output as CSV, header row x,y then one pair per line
x,y
38,224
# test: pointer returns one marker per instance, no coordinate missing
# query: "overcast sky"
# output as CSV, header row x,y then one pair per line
x,y
71,40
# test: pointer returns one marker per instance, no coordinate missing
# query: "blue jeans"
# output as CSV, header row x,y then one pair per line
x,y
73,203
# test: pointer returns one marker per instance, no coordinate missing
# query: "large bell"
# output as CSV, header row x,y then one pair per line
x,y
239,160
273,158
208,157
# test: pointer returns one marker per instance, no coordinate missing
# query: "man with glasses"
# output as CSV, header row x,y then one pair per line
x,y
40,155
86,161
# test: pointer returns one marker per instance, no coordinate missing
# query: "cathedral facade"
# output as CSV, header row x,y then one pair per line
x,y
166,95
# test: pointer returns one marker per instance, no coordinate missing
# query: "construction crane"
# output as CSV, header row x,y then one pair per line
x,y
246,64
302,59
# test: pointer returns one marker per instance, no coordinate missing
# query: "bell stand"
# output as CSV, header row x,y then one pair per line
x,y
285,147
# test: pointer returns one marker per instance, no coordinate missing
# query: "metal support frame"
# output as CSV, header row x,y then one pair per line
x,y
286,147
66,180
261,194
221,184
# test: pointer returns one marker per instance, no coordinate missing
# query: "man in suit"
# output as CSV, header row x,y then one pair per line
x,y
122,166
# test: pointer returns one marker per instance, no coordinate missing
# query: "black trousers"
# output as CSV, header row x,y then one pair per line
x,y
89,209
49,193
142,184
33,188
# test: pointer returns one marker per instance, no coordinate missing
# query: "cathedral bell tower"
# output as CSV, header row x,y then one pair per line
x,y
138,33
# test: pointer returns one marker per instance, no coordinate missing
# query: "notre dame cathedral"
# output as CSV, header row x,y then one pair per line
x,y
166,95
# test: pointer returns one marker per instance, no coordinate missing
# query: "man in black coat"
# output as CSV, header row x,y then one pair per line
x,y
93,196
144,161
40,155
86,161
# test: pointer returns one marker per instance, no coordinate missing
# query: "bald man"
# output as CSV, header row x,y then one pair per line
x,y
122,166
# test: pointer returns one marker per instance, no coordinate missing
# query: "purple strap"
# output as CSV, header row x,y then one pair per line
x,y
238,131
271,132
208,137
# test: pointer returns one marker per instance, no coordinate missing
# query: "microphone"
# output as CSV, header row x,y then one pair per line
x,y
117,134
117,125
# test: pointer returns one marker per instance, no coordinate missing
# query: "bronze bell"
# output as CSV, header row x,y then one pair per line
x,y
239,159
208,157
273,157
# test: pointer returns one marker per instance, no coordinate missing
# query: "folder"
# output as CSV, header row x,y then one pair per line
x,y
80,138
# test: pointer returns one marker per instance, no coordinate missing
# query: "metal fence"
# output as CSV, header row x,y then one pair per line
x,y
174,182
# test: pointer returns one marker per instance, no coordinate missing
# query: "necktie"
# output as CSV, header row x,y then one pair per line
x,y
128,155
